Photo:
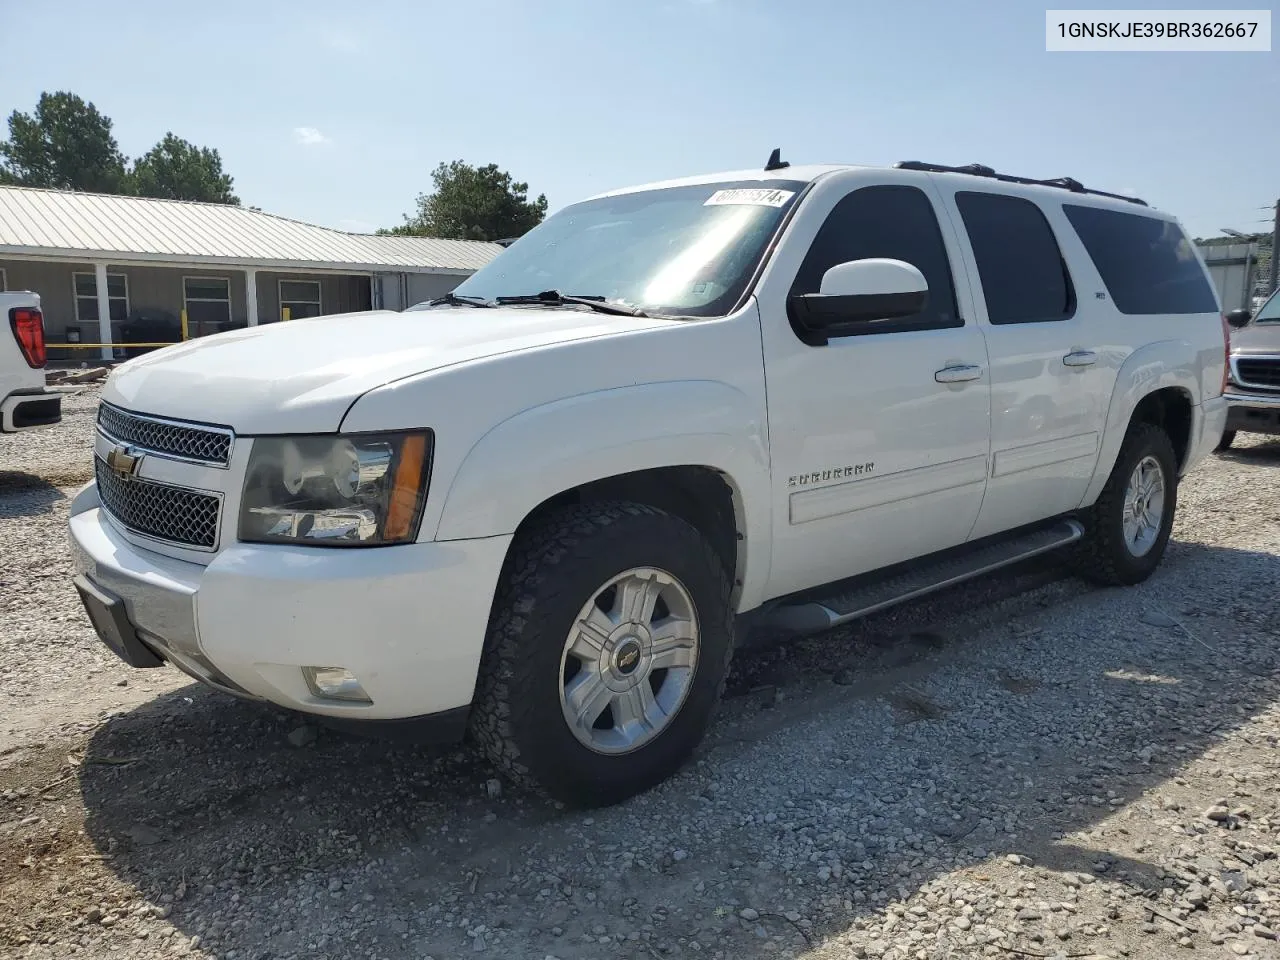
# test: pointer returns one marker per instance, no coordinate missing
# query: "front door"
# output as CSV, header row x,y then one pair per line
x,y
1051,376
879,441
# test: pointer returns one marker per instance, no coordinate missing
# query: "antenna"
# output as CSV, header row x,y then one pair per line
x,y
775,160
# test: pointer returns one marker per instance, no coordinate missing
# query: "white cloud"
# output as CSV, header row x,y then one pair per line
x,y
309,136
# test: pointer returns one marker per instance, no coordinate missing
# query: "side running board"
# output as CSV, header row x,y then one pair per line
x,y
850,603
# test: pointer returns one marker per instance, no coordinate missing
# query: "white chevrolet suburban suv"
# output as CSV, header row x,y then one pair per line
x,y
25,402
541,509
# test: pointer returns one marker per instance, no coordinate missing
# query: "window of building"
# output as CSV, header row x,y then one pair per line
x,y
301,297
86,288
1148,265
886,221
208,303
1024,277
4,281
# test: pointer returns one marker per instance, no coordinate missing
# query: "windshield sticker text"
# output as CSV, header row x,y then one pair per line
x,y
751,197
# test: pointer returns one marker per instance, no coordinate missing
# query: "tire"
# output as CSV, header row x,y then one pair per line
x,y
1108,556
521,717
1228,438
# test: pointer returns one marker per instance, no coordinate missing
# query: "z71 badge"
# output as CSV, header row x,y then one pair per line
x,y
835,473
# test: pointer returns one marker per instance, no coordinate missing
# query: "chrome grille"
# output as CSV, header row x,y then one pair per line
x,y
1258,372
158,510
204,444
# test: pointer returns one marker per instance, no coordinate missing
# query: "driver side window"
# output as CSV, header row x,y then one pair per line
x,y
894,221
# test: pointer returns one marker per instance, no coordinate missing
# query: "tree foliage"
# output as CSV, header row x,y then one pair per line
x,y
473,203
66,144
177,170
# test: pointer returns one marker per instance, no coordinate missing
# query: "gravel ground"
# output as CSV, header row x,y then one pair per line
x,y
1023,767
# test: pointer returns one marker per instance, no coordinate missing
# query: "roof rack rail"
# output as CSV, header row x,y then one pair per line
x,y
978,170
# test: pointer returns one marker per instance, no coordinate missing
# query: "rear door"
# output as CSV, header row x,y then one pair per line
x,y
1051,378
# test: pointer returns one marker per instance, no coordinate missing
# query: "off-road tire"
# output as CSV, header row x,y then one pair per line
x,y
1105,557
550,573
1228,438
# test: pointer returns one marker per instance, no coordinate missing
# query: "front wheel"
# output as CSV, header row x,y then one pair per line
x,y
607,653
1130,523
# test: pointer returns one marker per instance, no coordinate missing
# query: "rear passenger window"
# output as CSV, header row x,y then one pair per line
x,y
886,221
1147,264
1024,277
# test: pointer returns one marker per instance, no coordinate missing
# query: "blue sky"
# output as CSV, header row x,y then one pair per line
x,y
337,112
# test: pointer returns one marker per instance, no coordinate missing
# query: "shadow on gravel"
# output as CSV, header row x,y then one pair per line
x,y
273,849
1265,451
25,494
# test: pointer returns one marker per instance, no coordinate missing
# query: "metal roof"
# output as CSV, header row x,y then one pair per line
x,y
79,226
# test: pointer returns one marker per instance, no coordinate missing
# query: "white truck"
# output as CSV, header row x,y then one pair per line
x,y
544,508
25,402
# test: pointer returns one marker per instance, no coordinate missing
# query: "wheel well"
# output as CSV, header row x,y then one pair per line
x,y
701,496
1170,410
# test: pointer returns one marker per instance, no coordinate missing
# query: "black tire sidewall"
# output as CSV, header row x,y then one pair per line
x,y
1142,442
547,747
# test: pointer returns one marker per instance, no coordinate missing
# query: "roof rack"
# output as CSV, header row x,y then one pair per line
x,y
978,170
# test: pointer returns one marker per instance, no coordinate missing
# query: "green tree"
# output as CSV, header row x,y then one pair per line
x,y
473,203
177,170
65,145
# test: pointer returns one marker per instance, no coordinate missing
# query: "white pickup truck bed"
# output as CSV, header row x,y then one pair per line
x,y
25,402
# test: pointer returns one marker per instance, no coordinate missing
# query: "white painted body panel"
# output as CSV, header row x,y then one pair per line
x,y
528,402
866,400
16,378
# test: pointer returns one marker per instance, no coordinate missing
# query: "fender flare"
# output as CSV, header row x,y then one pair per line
x,y
530,457
1155,366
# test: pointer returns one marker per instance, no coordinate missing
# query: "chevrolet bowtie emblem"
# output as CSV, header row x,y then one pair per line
x,y
124,461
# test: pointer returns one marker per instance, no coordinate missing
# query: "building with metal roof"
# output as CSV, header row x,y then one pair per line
x,y
115,270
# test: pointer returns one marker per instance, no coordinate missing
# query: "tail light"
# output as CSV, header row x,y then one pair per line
x,y
1226,353
28,330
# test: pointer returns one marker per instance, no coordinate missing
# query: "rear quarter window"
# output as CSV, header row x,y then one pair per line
x,y
1148,265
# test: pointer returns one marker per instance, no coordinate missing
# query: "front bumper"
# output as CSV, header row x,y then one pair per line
x,y
1253,412
29,409
409,621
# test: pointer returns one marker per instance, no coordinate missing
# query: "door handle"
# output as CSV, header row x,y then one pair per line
x,y
959,373
1080,358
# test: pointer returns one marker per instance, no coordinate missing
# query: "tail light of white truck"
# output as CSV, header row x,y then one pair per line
x,y
27,324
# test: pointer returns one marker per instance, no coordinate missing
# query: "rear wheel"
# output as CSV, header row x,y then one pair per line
x,y
1130,523
607,653
1228,438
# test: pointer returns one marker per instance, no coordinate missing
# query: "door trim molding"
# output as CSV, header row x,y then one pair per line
x,y
1046,453
862,494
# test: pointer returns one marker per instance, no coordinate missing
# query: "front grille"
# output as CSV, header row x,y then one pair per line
x,y
159,510
205,444
1259,372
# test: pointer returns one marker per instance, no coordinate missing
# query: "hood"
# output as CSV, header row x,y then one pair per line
x,y
1257,338
302,376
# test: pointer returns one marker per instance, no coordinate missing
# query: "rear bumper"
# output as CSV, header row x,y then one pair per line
x,y
30,409
408,621
1253,412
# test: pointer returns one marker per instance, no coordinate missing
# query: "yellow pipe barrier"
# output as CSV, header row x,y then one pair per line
x,y
286,313
185,335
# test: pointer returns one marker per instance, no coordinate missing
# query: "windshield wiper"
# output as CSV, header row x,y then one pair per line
x,y
555,297
453,300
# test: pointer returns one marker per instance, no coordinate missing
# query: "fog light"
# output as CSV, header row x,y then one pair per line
x,y
335,683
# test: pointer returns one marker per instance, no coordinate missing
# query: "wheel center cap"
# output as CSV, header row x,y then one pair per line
x,y
626,656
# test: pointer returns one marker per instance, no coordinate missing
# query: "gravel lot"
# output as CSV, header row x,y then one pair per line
x,y
1024,767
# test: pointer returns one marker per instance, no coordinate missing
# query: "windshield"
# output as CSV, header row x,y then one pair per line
x,y
1270,311
689,251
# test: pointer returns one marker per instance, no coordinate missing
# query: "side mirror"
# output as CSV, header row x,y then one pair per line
x,y
855,294
1239,317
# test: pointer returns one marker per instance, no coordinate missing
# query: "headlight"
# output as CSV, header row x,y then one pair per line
x,y
360,490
